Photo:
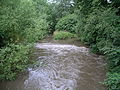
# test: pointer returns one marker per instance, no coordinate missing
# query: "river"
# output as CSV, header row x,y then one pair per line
x,y
61,65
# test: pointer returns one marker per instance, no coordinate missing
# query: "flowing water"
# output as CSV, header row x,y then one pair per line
x,y
61,65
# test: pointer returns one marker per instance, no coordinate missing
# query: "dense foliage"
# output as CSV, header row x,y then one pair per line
x,y
57,10
67,23
99,27
96,23
21,22
14,59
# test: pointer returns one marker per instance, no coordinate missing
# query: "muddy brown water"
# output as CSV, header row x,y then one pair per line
x,y
61,65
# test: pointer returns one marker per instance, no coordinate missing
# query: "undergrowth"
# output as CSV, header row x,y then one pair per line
x,y
101,31
60,35
13,60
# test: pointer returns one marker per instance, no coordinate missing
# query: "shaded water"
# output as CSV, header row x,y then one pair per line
x,y
61,65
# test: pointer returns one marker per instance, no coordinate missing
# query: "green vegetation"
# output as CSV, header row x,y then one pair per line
x,y
67,23
14,59
113,81
21,22
113,76
99,24
60,35
96,23
56,11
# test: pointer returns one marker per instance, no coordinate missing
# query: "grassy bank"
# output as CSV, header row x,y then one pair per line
x,y
61,35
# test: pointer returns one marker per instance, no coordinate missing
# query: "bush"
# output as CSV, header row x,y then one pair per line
x,y
99,27
113,57
14,19
19,26
113,76
113,81
101,31
34,35
58,35
67,23
13,59
37,33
